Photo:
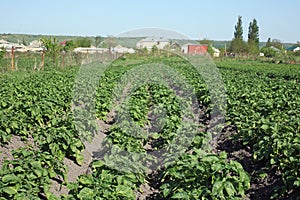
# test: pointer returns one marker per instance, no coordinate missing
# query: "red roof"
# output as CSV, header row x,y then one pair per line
x,y
63,43
197,49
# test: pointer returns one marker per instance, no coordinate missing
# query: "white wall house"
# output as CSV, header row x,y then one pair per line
x,y
296,49
149,42
90,50
8,46
121,49
216,52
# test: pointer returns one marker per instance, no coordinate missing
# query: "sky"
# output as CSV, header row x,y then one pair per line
x,y
197,19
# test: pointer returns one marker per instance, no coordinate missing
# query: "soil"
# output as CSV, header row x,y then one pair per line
x,y
260,187
57,188
14,144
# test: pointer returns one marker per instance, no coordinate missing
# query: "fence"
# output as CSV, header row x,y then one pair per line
x,y
28,61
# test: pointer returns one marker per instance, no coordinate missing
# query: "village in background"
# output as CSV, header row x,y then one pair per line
x,y
72,50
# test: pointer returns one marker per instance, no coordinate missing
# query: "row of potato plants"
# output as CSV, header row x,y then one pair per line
x,y
37,105
265,110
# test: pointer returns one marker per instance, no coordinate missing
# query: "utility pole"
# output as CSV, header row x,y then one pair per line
x,y
12,58
43,59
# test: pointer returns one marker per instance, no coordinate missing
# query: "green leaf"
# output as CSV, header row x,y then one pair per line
x,y
180,195
155,136
166,192
86,180
4,104
218,188
265,127
8,130
38,172
10,190
79,159
98,164
229,188
216,167
210,159
86,194
10,178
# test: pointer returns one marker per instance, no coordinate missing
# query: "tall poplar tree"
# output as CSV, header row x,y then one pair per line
x,y
237,43
238,33
253,37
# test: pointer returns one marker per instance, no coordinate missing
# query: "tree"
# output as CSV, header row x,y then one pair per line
x,y
238,33
237,43
253,37
154,50
277,43
253,31
110,41
238,46
268,44
2,52
52,48
268,52
98,40
70,46
205,41
24,42
83,42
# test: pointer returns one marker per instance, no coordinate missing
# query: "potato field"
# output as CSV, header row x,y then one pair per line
x,y
155,141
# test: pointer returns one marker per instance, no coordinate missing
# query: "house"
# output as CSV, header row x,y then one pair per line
x,y
194,49
63,43
293,48
17,47
274,48
3,43
121,49
90,50
149,42
216,52
35,44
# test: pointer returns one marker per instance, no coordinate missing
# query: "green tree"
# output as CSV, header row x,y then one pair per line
x,y
205,41
83,42
238,33
253,37
268,44
154,50
2,52
24,42
98,40
143,51
237,44
277,43
268,52
52,48
110,41
70,46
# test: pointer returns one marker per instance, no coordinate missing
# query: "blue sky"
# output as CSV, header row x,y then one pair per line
x,y
212,19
